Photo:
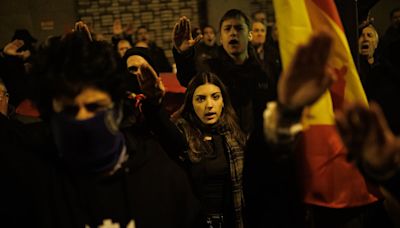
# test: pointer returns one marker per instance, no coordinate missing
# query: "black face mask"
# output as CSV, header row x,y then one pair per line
x,y
91,145
133,85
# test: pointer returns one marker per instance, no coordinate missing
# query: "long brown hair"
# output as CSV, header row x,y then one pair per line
x,y
186,111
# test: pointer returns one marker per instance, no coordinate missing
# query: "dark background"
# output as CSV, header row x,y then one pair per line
x,y
52,17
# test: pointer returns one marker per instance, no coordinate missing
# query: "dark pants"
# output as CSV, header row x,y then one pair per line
x,y
369,216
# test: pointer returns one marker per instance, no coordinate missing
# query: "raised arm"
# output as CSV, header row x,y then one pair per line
x,y
369,140
309,75
183,50
307,78
182,35
157,118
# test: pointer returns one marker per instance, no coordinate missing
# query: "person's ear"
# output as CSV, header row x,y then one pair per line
x,y
250,35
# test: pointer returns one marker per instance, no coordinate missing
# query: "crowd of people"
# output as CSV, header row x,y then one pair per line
x,y
86,141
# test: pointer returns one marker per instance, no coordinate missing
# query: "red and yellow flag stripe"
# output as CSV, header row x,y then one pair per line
x,y
327,178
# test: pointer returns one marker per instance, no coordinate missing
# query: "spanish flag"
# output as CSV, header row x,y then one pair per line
x,y
327,178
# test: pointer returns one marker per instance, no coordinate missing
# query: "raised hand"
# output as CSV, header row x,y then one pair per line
x,y
11,49
151,85
81,26
369,140
182,35
308,75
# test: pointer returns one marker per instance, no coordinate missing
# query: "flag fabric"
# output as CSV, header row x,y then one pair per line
x,y
327,178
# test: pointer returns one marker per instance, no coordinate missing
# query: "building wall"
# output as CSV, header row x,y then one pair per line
x,y
41,17
159,16
381,12
44,17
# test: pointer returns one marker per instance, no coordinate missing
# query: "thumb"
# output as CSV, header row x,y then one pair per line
x,y
196,40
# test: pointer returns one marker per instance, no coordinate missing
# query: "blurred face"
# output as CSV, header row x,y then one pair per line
x,y
275,33
396,19
235,37
142,35
260,16
208,103
259,33
85,105
196,32
3,99
123,46
368,41
208,36
134,62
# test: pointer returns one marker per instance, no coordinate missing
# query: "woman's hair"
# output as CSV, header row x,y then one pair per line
x,y
228,116
67,65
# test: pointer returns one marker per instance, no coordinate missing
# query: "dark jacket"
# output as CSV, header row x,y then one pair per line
x,y
268,173
149,190
157,54
248,85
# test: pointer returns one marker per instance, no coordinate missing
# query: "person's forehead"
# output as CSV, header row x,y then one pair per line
x,y
87,95
260,15
368,29
142,30
207,89
124,43
258,25
208,29
136,60
92,94
234,21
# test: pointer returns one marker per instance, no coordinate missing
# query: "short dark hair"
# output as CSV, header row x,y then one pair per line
x,y
72,63
141,27
253,15
234,14
207,26
394,11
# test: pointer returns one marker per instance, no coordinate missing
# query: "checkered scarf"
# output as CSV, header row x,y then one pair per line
x,y
236,157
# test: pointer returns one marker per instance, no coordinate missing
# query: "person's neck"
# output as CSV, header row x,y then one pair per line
x,y
370,60
240,59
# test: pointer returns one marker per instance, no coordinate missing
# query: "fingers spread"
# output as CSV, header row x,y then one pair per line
x,y
380,118
322,42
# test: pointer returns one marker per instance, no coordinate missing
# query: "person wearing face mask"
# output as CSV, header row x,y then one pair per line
x,y
88,172
143,39
203,137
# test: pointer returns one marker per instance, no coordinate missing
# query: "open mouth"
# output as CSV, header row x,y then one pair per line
x,y
365,46
234,42
210,115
